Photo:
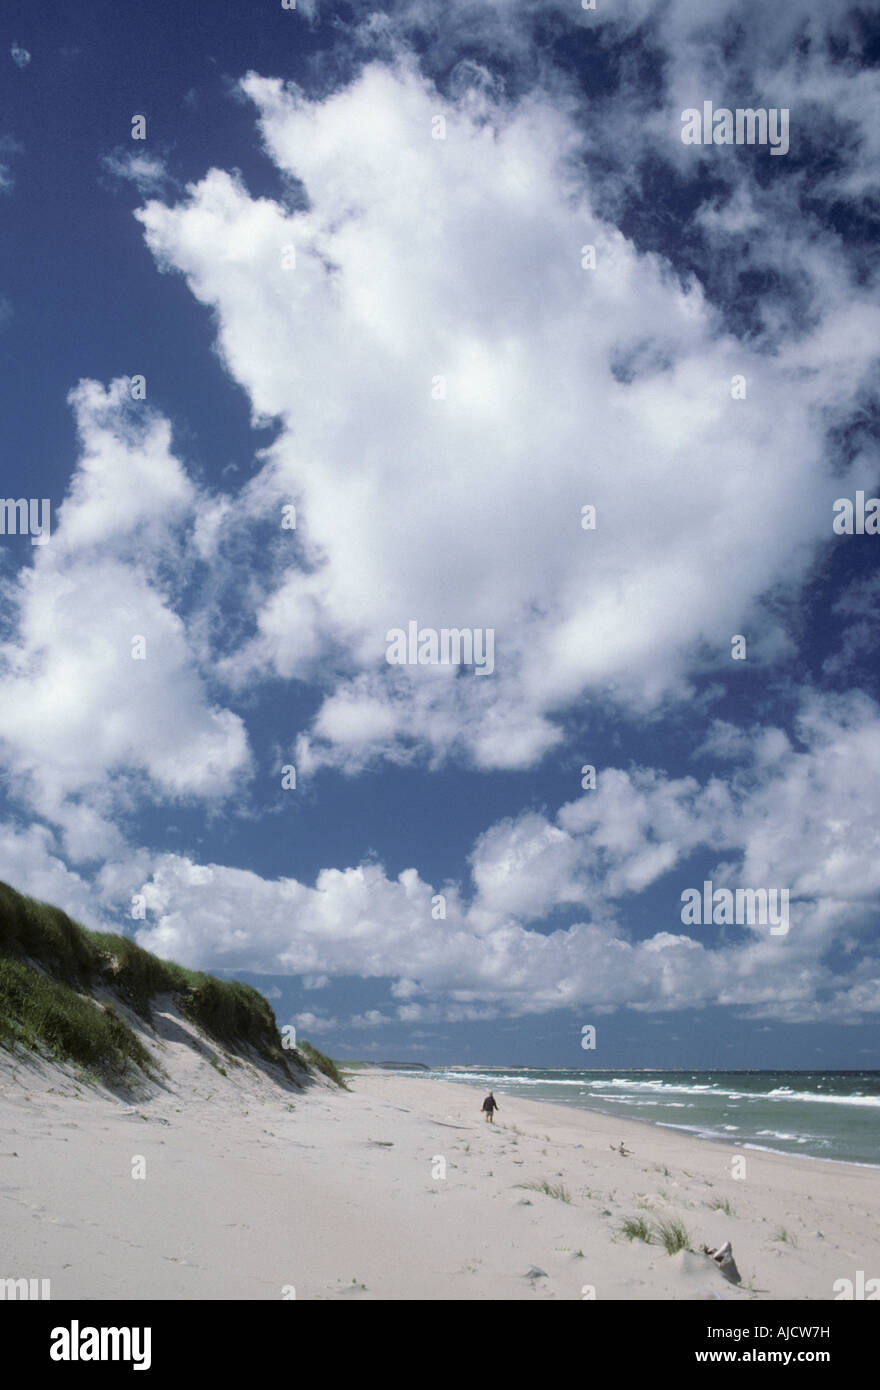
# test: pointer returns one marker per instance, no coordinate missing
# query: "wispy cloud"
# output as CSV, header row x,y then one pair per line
x,y
146,171
9,147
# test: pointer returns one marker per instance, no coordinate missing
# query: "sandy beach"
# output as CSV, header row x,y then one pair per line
x,y
397,1189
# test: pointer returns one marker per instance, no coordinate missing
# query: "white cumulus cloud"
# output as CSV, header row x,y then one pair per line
x,y
88,726
419,258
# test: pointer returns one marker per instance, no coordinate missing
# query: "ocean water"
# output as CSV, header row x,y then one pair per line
x,y
821,1114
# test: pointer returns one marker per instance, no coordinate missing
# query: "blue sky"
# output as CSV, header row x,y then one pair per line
x,y
458,260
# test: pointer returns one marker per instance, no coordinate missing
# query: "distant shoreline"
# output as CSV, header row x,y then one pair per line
x,y
597,1108
438,1067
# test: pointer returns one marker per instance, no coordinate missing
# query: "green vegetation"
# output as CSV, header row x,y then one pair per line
x,y
51,967
557,1190
670,1234
722,1204
785,1236
673,1237
38,1013
35,931
636,1228
323,1064
234,1013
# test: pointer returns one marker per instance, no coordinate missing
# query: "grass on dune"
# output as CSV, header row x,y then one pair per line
x,y
50,966
672,1235
135,973
38,1013
231,1012
557,1189
37,931
323,1064
781,1234
636,1228
722,1204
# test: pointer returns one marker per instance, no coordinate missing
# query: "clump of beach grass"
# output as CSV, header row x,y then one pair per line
x,y
784,1236
550,1189
671,1234
637,1228
721,1204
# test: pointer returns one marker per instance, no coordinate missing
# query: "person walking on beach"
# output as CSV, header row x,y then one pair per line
x,y
489,1105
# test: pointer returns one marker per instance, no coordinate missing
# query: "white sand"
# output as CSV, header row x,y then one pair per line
x,y
244,1196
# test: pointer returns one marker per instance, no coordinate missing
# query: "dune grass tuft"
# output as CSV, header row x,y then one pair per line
x,y
672,1235
550,1189
721,1204
786,1237
636,1228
